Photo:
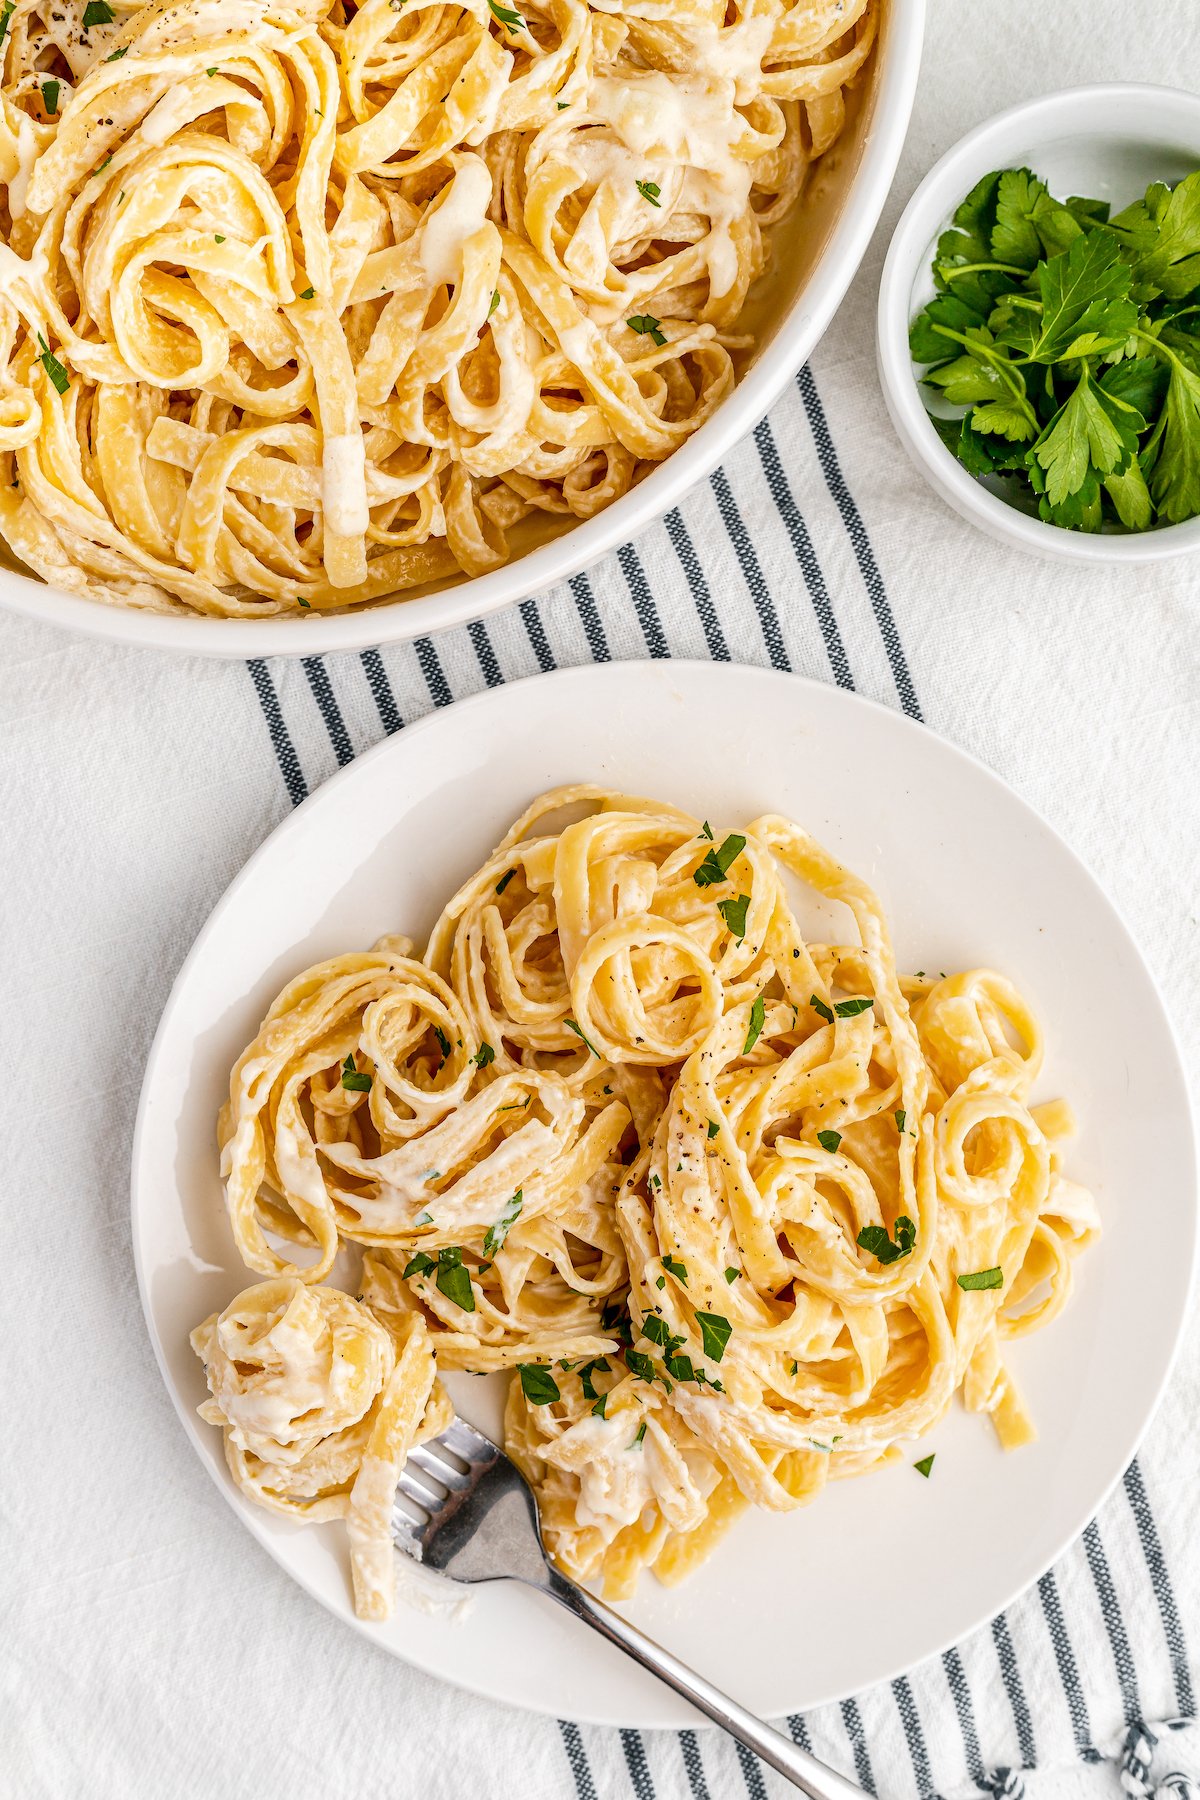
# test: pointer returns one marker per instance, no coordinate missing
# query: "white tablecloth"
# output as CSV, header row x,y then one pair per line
x,y
150,1650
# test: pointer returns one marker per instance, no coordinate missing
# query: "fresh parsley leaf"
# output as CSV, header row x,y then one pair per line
x,y
640,1364
649,190
981,1280
829,1140
876,1240
680,1367
53,367
646,325
1095,429
503,15
1085,306
1174,449
420,1265
453,1280
734,914
758,1013
717,863
539,1386
495,1235
572,1026
714,1331
1162,236
850,1009
588,1370
655,1327
352,1079
483,1056
925,1465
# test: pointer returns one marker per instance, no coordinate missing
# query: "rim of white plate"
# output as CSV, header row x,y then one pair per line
x,y
1136,111
899,59
481,702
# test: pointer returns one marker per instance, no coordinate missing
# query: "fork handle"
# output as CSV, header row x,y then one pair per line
x,y
801,1769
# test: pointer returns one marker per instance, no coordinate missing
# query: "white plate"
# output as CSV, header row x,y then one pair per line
x,y
880,1572
818,252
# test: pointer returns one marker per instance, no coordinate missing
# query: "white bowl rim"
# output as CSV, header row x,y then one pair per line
x,y
932,203
585,543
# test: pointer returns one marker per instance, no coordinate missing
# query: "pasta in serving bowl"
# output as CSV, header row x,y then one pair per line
x,y
738,1211
307,305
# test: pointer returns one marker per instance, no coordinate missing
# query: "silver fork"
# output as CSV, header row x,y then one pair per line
x,y
464,1509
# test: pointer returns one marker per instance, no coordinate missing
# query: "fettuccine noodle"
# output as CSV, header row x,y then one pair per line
x,y
745,1211
304,304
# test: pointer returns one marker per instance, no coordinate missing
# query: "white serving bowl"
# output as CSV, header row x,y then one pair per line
x,y
1108,142
842,211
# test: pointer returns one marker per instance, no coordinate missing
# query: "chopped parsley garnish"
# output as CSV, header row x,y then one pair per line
x,y
211,71
10,7
982,1279
420,1265
97,12
118,54
758,1013
53,367
425,1218
850,1009
674,1267
655,1327
829,1140
505,16
641,1432
680,1366
443,1040
495,301
717,863
706,831
714,1330
217,237
819,1007
598,1409
504,880
100,168
615,1319
713,1128
353,1079
640,1364
588,1370
537,1384
649,190
572,1026
453,1279
734,914
876,1241
50,95
306,604
496,1234
307,294
661,1282
925,1465
646,325
731,1275
901,1116
483,1056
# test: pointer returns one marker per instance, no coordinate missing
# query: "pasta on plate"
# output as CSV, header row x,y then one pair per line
x,y
742,1211
305,303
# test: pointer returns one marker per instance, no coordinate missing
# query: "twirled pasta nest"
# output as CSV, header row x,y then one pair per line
x,y
302,305
744,1210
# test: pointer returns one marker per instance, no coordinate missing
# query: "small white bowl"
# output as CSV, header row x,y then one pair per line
x,y
1106,142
